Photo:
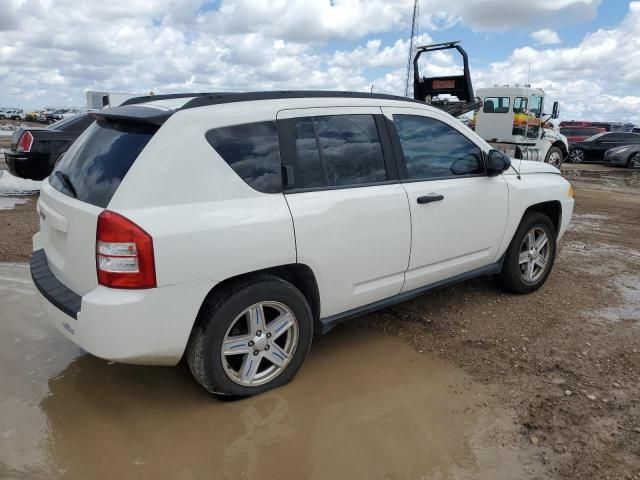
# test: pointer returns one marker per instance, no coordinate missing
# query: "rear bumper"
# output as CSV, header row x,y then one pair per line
x,y
34,166
149,327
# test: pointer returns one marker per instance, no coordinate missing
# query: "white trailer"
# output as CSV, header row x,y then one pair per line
x,y
99,100
511,119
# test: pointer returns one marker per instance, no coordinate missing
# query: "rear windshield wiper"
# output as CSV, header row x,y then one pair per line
x,y
66,181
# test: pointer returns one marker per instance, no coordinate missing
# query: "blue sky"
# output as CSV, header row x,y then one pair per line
x,y
580,51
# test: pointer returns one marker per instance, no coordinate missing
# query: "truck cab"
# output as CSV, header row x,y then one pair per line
x,y
512,119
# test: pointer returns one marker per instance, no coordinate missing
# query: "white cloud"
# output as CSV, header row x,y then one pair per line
x,y
52,51
546,37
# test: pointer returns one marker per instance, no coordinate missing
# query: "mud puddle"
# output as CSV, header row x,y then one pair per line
x,y
621,180
365,405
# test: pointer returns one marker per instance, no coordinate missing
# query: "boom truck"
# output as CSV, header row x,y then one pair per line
x,y
511,119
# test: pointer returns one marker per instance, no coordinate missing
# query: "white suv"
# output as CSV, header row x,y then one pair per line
x,y
12,114
229,228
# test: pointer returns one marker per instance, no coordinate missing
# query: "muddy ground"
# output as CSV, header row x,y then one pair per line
x,y
478,384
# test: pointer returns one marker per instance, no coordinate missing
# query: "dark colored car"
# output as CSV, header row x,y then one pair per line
x,y
34,150
579,134
592,149
625,156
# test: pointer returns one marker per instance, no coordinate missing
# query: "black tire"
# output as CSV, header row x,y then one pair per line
x,y
216,316
2,117
576,155
634,161
511,277
550,154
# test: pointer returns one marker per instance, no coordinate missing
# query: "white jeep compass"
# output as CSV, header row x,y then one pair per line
x,y
229,228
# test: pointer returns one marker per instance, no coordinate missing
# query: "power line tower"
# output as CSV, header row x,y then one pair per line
x,y
412,45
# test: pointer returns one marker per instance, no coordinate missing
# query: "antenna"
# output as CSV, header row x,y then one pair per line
x,y
412,45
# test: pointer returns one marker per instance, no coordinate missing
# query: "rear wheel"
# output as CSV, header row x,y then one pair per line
x,y
554,157
530,256
634,161
576,156
251,337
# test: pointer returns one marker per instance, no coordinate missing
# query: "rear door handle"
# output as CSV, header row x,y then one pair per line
x,y
432,197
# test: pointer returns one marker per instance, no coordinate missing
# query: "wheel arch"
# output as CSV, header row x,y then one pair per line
x,y
563,148
552,209
299,275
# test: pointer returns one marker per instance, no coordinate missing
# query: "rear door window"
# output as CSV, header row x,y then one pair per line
x,y
338,150
252,151
92,170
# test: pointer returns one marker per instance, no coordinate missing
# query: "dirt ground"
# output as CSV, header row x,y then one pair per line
x,y
565,361
566,358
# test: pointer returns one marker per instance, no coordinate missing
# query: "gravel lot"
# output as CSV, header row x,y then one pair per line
x,y
551,380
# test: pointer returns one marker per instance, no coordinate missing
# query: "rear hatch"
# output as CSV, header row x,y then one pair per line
x,y
78,190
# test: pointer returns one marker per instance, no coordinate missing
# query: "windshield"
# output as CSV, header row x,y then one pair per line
x,y
96,164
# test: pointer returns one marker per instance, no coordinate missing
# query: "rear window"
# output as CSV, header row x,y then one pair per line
x,y
93,170
496,105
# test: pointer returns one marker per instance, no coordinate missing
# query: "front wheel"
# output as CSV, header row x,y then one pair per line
x,y
634,161
251,337
576,156
530,256
554,157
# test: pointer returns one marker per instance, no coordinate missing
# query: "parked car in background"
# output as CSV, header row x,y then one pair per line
x,y
34,150
625,156
12,114
593,148
291,212
578,134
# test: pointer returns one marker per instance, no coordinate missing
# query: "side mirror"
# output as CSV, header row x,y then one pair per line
x,y
497,163
556,110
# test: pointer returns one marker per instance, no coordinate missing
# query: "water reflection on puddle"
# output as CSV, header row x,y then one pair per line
x,y
365,405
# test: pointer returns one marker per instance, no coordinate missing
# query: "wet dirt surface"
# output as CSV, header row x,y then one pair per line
x,y
66,414
465,382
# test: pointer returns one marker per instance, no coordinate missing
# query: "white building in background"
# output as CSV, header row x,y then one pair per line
x,y
98,100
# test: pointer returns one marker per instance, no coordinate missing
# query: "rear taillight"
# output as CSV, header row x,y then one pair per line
x,y
124,253
25,142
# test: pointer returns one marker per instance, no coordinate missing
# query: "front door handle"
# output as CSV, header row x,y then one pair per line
x,y
432,197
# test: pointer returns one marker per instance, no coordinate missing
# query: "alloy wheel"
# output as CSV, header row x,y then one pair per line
x,y
635,161
576,156
534,255
259,343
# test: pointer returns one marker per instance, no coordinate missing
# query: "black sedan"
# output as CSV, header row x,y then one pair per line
x,y
34,150
625,156
592,149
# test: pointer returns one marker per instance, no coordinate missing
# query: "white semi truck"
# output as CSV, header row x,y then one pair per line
x,y
511,119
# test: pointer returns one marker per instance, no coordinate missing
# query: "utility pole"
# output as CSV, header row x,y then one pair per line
x,y
412,46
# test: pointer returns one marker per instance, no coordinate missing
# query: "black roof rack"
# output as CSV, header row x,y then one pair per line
x,y
168,96
201,99
132,110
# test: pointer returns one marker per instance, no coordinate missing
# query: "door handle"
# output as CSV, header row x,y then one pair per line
x,y
432,197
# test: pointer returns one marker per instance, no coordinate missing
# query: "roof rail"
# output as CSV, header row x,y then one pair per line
x,y
230,97
168,96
